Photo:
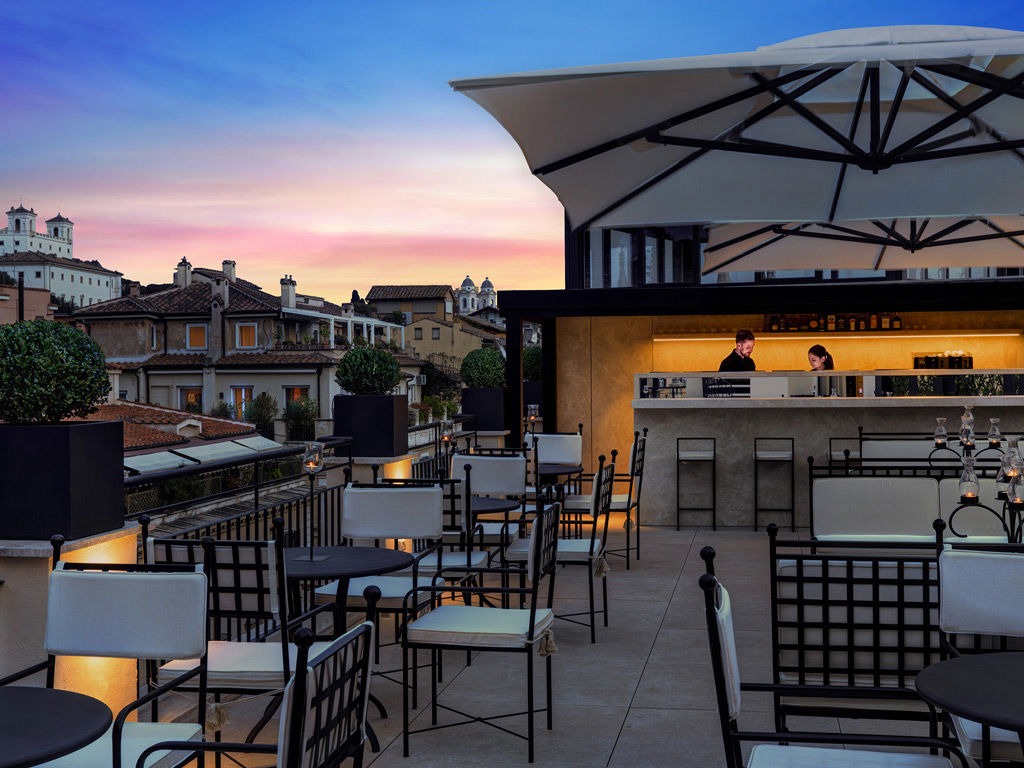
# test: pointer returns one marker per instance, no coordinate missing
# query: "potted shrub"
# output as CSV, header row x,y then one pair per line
x,y
374,418
56,476
483,374
261,412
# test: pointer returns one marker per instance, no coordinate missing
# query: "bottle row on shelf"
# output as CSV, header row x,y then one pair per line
x,y
829,322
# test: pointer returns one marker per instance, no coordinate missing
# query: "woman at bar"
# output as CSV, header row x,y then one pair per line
x,y
820,359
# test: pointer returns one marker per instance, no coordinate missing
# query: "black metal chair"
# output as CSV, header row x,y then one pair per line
x,y
790,748
130,611
323,719
487,628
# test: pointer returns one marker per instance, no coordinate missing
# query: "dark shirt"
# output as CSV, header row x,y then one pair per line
x,y
736,363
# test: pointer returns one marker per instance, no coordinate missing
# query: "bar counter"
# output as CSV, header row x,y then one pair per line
x,y
810,421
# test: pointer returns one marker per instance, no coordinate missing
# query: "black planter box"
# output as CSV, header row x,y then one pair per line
x,y
63,478
487,405
377,424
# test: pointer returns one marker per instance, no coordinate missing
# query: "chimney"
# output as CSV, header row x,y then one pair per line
x,y
220,289
183,277
228,268
287,292
134,288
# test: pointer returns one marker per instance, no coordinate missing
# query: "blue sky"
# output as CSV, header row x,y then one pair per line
x,y
322,139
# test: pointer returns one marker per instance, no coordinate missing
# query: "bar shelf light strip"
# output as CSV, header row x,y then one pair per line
x,y
836,336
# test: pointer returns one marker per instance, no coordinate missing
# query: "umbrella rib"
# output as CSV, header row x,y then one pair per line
x,y
755,147
894,234
741,238
978,149
859,237
894,109
812,118
662,125
855,123
747,252
931,240
1004,87
971,76
952,103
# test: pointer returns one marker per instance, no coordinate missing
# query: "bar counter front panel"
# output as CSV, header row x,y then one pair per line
x,y
810,421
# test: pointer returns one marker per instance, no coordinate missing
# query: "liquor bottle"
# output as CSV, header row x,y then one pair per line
x,y
862,323
851,323
812,324
774,322
897,323
873,321
830,323
821,321
885,322
841,323
783,325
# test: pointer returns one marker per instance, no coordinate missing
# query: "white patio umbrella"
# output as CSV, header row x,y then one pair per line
x,y
854,125
993,241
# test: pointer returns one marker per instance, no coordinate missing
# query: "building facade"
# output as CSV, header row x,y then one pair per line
x,y
47,261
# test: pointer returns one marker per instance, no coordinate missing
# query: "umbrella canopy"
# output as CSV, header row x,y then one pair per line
x,y
871,245
864,124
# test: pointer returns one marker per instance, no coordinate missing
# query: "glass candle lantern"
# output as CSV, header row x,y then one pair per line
x,y
1009,468
969,485
313,458
995,437
447,431
1015,491
941,436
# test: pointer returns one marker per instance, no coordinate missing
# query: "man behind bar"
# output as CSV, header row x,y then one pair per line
x,y
739,359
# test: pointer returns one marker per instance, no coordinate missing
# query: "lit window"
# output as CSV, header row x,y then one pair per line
x,y
245,336
191,399
435,333
291,394
195,336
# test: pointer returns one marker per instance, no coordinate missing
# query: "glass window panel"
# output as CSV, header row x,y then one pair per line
x,y
619,251
650,260
246,335
196,336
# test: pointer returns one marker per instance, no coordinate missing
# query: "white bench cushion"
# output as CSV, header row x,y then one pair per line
x,y
1004,744
875,505
798,756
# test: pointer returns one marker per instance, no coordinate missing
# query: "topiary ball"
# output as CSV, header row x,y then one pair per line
x,y
368,371
51,371
483,368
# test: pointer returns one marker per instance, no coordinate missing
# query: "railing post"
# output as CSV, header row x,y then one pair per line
x,y
256,484
144,521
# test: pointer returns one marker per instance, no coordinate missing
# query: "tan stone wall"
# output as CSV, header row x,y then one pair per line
x,y
125,338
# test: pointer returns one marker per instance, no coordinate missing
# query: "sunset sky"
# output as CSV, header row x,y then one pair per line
x,y
321,139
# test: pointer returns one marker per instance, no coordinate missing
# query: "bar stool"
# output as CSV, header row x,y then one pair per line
x,y
775,450
695,450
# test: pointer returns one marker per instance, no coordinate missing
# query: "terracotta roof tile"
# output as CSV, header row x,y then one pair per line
x,y
185,359
36,257
279,357
400,292
142,424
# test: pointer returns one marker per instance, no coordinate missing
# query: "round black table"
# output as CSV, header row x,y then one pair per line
x,y
987,688
343,563
551,471
488,505
42,724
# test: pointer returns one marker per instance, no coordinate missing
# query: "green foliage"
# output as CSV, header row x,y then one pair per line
x,y
262,411
440,406
50,371
361,341
300,418
221,409
483,367
442,381
532,367
368,371
64,307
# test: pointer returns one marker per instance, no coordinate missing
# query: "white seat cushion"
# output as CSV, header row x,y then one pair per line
x,y
1005,744
798,756
518,550
240,665
479,626
135,738
580,501
766,455
576,550
696,455
453,559
393,590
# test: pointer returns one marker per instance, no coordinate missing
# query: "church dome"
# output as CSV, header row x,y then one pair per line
x,y
468,284
487,286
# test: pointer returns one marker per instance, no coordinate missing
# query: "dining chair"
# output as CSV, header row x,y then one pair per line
x,y
980,610
487,627
250,622
323,717
793,748
130,611
586,549
499,477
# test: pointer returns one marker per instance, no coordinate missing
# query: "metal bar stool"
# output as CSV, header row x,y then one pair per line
x,y
695,450
774,450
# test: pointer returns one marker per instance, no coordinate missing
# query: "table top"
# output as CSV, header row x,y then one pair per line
x,y
552,468
41,724
343,562
984,687
483,505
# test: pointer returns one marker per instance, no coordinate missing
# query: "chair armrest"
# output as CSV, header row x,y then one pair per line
x,y
42,666
832,691
160,690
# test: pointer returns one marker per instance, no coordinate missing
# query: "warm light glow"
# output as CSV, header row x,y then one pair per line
x,y
718,338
